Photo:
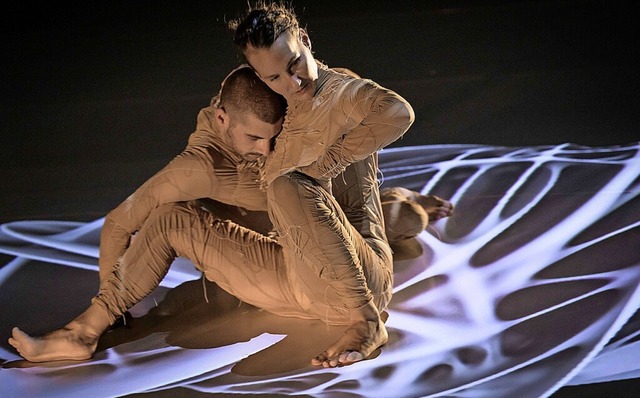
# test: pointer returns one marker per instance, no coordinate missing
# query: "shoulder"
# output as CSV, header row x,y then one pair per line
x,y
344,85
346,71
206,131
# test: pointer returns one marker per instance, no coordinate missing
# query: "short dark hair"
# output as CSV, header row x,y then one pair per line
x,y
262,24
243,92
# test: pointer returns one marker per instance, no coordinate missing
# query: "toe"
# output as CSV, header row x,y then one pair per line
x,y
350,357
14,342
319,360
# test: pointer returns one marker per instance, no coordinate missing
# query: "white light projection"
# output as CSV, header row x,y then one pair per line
x,y
532,284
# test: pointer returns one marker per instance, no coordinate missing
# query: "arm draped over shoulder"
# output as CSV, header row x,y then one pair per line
x,y
348,120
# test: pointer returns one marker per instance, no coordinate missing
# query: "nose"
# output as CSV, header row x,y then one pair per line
x,y
297,82
263,147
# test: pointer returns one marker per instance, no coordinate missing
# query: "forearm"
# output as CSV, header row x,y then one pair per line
x,y
114,240
171,184
389,118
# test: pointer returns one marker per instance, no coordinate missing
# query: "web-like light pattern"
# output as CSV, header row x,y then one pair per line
x,y
532,284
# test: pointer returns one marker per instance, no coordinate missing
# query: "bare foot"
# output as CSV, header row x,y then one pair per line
x,y
72,342
435,206
359,341
76,341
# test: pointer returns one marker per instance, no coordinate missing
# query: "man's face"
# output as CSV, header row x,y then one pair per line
x,y
250,137
287,67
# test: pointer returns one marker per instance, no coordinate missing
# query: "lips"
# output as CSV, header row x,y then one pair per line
x,y
302,88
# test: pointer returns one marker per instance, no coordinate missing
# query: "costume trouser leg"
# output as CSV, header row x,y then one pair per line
x,y
245,263
330,261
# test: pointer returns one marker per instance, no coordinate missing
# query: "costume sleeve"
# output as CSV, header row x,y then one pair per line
x,y
190,175
380,117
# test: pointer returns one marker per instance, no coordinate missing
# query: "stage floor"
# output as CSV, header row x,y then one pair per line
x,y
532,285
527,118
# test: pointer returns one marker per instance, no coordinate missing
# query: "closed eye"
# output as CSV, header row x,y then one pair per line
x,y
255,137
293,64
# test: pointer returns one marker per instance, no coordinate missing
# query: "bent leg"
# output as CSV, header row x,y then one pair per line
x,y
239,260
325,254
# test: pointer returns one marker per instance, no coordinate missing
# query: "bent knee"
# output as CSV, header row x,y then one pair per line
x,y
169,215
164,210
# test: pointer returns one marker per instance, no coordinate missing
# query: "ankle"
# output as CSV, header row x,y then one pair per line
x,y
366,313
91,323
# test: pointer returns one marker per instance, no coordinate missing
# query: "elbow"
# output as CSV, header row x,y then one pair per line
x,y
408,114
403,116
109,218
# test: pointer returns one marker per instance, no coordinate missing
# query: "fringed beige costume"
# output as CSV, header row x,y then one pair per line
x,y
329,254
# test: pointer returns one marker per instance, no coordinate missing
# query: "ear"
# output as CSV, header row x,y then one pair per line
x,y
304,37
221,116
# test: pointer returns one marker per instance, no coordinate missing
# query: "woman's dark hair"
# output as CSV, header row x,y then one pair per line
x,y
262,24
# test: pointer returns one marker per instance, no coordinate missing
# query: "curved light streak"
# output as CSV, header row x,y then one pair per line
x,y
527,288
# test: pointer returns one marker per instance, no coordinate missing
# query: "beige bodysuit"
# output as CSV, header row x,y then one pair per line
x,y
330,253
323,194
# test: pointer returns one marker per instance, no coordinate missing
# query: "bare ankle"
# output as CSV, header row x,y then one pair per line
x,y
83,332
368,312
91,323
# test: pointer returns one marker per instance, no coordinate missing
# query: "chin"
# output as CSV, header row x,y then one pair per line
x,y
303,95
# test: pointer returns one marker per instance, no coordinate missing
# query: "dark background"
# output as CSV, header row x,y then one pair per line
x,y
97,96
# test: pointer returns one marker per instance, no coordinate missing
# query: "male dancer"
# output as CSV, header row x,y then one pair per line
x,y
206,204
